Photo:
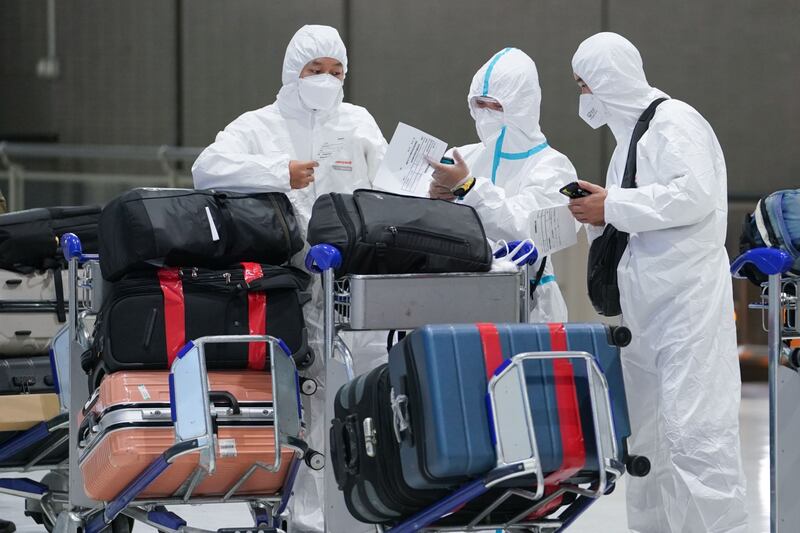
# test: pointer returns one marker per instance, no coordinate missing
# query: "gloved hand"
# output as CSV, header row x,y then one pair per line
x,y
449,176
521,249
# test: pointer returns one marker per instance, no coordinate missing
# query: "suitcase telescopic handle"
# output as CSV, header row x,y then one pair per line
x,y
227,399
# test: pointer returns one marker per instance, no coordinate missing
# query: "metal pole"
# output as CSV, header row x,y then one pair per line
x,y
328,327
774,341
526,299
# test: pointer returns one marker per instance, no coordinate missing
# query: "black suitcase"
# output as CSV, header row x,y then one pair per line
x,y
147,227
149,316
365,454
23,375
383,233
29,239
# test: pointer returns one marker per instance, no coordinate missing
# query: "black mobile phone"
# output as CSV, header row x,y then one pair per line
x,y
573,190
447,161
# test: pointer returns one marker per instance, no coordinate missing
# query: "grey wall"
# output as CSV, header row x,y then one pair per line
x,y
177,71
233,53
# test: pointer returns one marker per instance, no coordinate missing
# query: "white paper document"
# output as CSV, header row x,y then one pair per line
x,y
404,169
553,229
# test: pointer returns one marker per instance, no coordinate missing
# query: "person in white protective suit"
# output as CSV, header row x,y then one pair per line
x,y
306,144
515,170
681,370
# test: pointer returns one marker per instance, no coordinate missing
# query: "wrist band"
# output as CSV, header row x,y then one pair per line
x,y
461,190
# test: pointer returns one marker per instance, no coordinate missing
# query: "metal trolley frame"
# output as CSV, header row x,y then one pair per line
x,y
408,301
778,304
192,413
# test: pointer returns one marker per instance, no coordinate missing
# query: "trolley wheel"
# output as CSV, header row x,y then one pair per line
x,y
40,518
57,481
315,460
121,524
638,465
621,336
308,386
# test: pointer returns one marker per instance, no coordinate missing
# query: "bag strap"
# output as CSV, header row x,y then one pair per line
x,y
572,441
492,349
174,311
256,318
629,176
539,275
58,282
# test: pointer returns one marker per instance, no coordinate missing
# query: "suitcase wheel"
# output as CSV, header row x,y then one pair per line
x,y
304,360
637,465
794,359
308,386
621,336
315,460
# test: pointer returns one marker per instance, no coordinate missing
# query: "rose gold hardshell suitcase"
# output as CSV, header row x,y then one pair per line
x,y
127,424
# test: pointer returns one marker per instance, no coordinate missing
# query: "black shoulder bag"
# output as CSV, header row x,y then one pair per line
x,y
606,250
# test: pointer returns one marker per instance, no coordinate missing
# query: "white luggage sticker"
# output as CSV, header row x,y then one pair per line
x,y
227,447
144,392
214,233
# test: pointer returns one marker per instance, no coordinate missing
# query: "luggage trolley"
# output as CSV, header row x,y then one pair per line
x,y
193,414
778,304
379,302
45,445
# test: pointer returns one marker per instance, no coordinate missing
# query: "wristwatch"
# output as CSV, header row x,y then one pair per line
x,y
461,190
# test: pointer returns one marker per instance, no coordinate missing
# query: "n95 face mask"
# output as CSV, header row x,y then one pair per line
x,y
488,124
319,92
592,110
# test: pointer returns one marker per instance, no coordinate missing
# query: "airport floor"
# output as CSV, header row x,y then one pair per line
x,y
606,516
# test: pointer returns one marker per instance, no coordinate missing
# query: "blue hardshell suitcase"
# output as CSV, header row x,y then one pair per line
x,y
439,373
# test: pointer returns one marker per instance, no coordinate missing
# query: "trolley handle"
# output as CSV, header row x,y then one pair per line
x,y
72,249
770,261
322,257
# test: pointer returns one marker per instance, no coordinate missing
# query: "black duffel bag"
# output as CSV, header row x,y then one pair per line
x,y
150,315
29,240
606,250
384,233
146,228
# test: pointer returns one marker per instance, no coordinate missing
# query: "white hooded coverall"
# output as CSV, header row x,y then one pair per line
x,y
681,370
252,154
516,170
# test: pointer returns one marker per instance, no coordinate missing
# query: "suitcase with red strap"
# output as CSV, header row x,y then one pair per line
x,y
149,316
439,377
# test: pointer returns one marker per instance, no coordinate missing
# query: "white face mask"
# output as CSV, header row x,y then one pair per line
x,y
320,91
592,110
488,124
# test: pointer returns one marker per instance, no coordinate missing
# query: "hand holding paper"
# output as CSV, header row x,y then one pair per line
x,y
405,169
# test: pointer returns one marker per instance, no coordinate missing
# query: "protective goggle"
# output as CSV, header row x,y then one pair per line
x,y
485,100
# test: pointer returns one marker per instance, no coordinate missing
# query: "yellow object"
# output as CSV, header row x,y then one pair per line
x,y
22,411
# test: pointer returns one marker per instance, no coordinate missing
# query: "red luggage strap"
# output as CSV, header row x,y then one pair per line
x,y
572,443
574,450
257,318
174,311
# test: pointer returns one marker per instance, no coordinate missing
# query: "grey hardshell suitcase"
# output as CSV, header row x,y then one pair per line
x,y
23,375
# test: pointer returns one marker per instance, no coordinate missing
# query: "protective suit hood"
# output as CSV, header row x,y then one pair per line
x,y
309,43
511,78
613,69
